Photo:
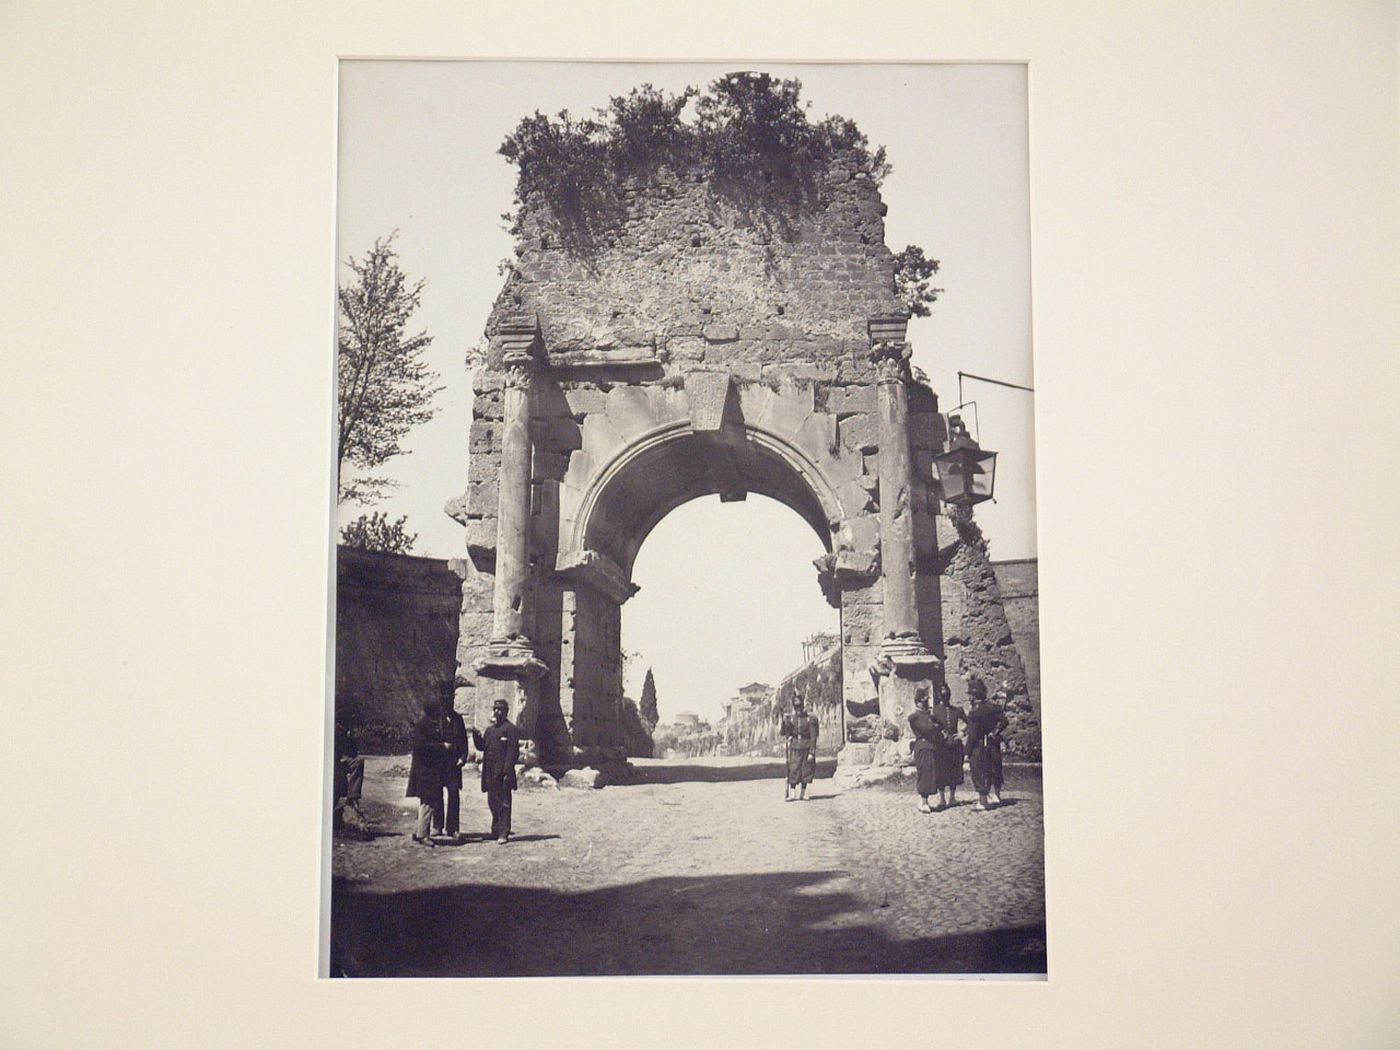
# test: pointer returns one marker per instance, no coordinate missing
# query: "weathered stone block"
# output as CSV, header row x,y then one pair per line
x,y
686,348
549,465
859,433
482,499
488,406
925,431
720,333
481,535
856,564
484,468
456,509
845,400
856,498
862,533
586,399
630,410
561,435
486,381
485,437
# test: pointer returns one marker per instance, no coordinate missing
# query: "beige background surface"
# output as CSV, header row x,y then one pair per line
x,y
1215,261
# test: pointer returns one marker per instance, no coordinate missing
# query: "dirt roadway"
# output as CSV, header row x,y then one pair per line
x,y
700,869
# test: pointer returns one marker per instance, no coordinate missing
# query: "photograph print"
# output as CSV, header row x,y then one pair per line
x,y
685,595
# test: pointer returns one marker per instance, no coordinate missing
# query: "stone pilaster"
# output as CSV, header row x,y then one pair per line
x,y
510,653
904,663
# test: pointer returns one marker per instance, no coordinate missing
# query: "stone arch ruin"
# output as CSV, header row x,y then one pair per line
x,y
695,351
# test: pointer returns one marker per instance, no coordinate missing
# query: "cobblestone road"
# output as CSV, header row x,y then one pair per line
x,y
704,869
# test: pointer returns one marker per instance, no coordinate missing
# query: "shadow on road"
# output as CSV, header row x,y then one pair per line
x,y
676,771
779,923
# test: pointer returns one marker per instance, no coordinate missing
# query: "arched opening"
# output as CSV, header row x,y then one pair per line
x,y
727,600
676,465
667,472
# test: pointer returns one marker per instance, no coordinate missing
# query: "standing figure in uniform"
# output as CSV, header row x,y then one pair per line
x,y
431,750
454,731
500,751
985,724
948,758
801,730
929,741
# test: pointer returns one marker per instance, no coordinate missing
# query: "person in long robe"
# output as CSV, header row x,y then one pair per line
x,y
986,723
948,757
929,741
499,745
801,731
425,771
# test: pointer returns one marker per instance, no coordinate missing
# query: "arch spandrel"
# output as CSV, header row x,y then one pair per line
x,y
677,465
647,449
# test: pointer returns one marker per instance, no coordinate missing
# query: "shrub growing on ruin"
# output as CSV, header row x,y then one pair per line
x,y
747,135
750,136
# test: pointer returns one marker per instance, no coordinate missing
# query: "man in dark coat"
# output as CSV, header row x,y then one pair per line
x,y
801,730
985,724
948,758
454,731
500,751
426,772
929,739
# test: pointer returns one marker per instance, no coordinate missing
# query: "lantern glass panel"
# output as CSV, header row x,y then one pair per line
x,y
981,482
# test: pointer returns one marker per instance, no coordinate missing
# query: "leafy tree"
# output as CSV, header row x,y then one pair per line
x,y
385,386
648,704
375,532
912,271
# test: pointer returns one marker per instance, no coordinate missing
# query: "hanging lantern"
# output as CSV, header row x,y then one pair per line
x,y
965,471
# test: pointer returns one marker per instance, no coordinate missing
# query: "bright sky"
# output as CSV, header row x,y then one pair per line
x,y
728,590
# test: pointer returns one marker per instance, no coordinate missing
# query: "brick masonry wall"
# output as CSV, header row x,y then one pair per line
x,y
695,277
1020,598
396,621
977,635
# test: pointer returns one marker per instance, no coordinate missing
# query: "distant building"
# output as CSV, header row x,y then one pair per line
x,y
750,696
687,718
817,644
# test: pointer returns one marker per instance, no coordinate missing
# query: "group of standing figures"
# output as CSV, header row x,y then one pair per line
x,y
939,749
440,750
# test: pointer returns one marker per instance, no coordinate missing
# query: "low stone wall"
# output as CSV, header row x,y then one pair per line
x,y
396,622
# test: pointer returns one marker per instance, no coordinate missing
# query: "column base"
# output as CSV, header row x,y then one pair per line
x,y
511,658
909,656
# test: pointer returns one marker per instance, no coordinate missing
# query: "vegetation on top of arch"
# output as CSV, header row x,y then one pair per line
x,y
747,133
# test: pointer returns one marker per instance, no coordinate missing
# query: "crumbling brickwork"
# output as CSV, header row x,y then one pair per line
x,y
1020,599
697,345
978,639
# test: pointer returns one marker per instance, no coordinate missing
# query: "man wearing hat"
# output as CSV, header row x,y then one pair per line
x,y
455,732
432,753
500,751
985,724
801,729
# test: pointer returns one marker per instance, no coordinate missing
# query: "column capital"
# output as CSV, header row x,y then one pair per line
x,y
521,341
891,359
